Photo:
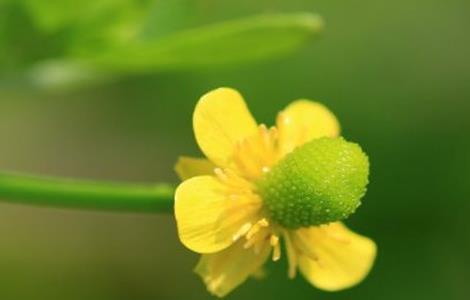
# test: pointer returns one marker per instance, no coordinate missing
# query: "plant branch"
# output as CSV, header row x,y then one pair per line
x,y
84,194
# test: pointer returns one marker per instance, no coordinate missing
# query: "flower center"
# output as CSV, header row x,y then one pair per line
x,y
318,183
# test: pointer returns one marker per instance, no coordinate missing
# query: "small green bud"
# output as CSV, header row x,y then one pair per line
x,y
318,183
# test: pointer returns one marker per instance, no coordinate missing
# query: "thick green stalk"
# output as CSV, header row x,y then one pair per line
x,y
84,194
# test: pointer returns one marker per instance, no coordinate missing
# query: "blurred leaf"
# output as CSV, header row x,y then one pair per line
x,y
21,43
55,15
234,42
166,17
101,41
57,74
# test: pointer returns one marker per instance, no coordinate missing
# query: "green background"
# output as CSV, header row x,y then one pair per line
x,y
397,75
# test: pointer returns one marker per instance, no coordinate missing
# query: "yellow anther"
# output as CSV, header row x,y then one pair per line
x,y
274,241
220,174
263,222
242,231
254,230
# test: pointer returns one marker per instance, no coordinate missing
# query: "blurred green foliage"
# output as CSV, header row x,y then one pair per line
x,y
396,74
98,39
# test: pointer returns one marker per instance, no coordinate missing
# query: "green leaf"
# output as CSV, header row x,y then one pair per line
x,y
166,17
21,43
55,15
234,42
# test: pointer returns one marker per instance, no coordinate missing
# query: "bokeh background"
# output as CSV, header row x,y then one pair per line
x,y
397,75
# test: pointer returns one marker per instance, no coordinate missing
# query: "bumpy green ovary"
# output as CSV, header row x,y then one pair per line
x,y
318,183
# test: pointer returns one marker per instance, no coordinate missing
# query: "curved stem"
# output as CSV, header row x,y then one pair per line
x,y
72,193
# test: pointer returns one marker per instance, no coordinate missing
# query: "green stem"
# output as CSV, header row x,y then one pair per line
x,y
72,193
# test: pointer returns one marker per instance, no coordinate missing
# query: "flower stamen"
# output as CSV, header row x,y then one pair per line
x,y
242,231
291,256
254,155
256,237
256,228
274,241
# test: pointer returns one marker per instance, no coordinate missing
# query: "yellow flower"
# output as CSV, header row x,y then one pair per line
x,y
221,213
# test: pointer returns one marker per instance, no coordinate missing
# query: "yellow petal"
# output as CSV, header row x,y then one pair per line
x,y
188,167
220,120
303,121
333,257
208,217
224,271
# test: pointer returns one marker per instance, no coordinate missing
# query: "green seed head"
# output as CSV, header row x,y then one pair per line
x,y
318,183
